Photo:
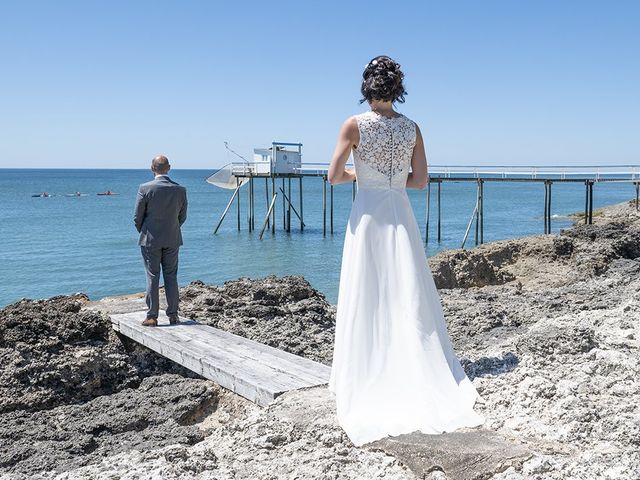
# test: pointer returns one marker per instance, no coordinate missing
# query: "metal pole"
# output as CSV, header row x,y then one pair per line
x,y
269,210
324,206
426,228
284,210
235,192
439,184
637,195
301,207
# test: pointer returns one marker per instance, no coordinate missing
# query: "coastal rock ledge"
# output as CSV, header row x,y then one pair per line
x,y
547,327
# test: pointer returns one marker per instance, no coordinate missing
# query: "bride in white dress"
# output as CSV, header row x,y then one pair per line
x,y
394,369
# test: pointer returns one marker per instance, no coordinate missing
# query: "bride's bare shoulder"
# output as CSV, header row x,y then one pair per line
x,y
350,125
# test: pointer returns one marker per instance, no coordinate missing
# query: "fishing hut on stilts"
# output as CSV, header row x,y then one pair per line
x,y
279,167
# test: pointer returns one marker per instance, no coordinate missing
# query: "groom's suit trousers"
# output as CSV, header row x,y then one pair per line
x,y
154,259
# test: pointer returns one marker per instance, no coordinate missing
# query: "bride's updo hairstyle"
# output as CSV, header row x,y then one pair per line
x,y
382,80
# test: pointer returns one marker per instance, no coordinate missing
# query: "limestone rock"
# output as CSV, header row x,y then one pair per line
x,y
470,455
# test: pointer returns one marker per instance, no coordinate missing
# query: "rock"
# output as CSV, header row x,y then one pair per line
x,y
549,339
155,414
473,268
471,455
286,313
295,437
54,352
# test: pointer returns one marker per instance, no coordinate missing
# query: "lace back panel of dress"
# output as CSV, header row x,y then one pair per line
x,y
383,155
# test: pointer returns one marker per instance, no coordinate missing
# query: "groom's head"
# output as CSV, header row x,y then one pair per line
x,y
160,165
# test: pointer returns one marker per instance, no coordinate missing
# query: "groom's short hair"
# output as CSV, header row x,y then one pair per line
x,y
160,164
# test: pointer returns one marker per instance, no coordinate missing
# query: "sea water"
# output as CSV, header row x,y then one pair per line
x,y
62,245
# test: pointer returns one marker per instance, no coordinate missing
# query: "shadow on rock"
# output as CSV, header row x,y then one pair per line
x,y
490,366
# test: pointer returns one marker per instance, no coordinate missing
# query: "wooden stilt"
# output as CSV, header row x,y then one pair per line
x,y
477,212
586,202
253,205
291,207
324,206
301,207
269,211
439,212
238,186
331,210
549,209
249,204
546,200
426,228
266,197
273,207
284,210
590,202
481,211
224,213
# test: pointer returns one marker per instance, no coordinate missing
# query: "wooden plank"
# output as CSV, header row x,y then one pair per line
x,y
238,349
289,363
254,370
176,341
295,364
253,382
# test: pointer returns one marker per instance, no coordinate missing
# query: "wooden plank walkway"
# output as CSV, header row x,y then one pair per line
x,y
254,370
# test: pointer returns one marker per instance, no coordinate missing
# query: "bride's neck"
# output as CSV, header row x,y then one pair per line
x,y
382,108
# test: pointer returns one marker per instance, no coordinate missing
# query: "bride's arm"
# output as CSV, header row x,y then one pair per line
x,y
347,139
418,178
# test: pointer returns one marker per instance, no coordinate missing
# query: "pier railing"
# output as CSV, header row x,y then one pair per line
x,y
508,172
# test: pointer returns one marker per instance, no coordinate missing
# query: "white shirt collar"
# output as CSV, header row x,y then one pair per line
x,y
162,175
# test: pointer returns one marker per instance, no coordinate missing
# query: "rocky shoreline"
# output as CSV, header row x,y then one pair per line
x,y
547,327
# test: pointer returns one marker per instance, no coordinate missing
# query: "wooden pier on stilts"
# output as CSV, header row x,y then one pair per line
x,y
273,172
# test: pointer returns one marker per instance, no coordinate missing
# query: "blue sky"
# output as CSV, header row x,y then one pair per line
x,y
111,83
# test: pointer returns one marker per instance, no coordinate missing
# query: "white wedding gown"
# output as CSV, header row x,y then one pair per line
x,y
394,369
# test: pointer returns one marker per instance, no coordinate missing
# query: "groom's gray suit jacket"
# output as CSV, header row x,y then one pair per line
x,y
161,209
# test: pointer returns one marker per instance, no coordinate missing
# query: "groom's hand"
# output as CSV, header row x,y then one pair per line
x,y
140,210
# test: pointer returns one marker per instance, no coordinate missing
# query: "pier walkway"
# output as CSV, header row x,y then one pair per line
x,y
251,369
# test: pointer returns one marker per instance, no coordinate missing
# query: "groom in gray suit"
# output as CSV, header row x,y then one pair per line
x,y
161,209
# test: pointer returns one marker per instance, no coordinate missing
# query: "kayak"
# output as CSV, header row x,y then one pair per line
x,y
107,194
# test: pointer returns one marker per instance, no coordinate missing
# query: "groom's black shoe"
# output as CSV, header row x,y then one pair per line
x,y
174,319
